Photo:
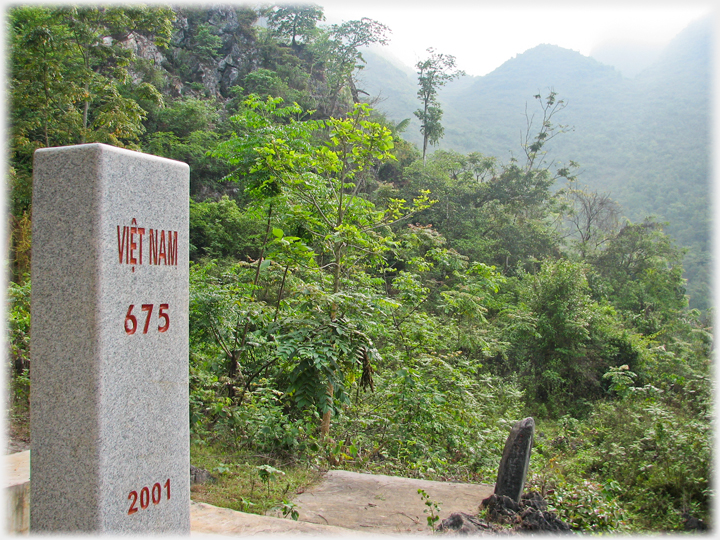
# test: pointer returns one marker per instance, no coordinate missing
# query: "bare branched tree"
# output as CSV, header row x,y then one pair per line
x,y
594,217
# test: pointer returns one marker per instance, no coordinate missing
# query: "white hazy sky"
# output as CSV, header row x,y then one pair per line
x,y
484,34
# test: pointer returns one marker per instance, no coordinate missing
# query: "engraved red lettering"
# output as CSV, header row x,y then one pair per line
x,y
121,243
141,233
131,322
146,495
153,247
172,248
133,244
161,252
163,315
127,244
130,318
133,497
144,498
148,308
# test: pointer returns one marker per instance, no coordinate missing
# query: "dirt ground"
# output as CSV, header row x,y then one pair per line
x,y
347,503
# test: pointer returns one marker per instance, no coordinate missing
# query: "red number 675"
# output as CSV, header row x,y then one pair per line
x,y
131,323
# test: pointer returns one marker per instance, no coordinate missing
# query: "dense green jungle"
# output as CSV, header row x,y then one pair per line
x,y
357,304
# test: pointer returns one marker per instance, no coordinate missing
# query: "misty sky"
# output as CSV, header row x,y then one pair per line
x,y
483,34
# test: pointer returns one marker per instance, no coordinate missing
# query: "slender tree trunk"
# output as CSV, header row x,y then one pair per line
x,y
336,281
85,118
325,425
425,129
354,90
86,106
280,293
332,103
327,415
233,371
46,120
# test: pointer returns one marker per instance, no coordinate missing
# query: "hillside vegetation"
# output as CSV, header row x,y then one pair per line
x,y
644,141
352,306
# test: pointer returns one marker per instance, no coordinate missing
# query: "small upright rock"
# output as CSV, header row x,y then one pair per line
x,y
693,524
515,460
200,476
465,524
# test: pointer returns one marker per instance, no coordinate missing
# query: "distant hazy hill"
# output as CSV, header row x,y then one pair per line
x,y
646,140
629,57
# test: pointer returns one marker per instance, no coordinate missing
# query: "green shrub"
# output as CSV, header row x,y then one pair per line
x,y
261,423
19,345
587,507
639,461
660,454
436,418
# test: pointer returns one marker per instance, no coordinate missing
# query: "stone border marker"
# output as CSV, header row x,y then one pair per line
x,y
109,394
515,460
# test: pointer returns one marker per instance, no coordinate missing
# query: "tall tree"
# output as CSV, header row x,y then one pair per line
x,y
534,145
434,72
294,21
339,49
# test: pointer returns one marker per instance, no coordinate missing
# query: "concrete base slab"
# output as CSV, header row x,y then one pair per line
x,y
17,492
380,504
206,519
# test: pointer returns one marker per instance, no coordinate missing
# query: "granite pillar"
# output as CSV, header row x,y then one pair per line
x,y
109,349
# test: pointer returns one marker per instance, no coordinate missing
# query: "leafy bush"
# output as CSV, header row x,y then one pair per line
x,y
587,507
639,461
435,418
19,345
562,341
19,324
660,454
260,424
219,229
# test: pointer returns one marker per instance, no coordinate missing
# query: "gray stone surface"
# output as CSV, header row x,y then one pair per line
x,y
383,504
109,405
515,460
210,520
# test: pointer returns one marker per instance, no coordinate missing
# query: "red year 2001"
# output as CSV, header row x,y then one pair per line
x,y
131,322
147,495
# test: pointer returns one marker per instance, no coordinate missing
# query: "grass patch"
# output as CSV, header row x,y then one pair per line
x,y
249,483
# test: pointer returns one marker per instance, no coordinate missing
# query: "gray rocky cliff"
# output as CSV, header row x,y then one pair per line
x,y
210,51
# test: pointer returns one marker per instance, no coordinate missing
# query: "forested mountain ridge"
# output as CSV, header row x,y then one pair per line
x,y
356,304
645,141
